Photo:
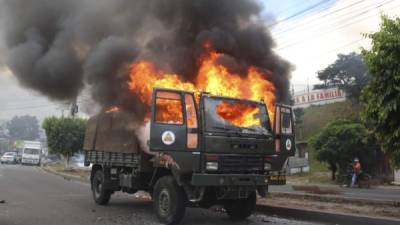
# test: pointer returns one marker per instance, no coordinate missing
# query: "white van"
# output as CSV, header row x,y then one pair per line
x,y
31,152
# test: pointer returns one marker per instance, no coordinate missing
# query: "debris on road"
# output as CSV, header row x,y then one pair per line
x,y
2,201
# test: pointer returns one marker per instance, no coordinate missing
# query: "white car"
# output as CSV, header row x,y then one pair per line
x,y
9,157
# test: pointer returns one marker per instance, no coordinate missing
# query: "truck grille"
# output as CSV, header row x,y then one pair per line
x,y
240,164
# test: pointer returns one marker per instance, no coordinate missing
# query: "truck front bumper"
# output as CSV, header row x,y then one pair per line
x,y
201,179
30,161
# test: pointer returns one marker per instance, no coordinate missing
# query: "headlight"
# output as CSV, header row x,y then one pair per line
x,y
267,166
212,166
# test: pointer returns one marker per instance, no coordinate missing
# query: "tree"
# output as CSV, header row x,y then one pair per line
x,y
381,97
23,127
348,72
65,135
298,113
341,141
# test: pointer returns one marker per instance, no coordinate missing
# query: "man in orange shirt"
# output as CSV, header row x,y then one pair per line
x,y
356,171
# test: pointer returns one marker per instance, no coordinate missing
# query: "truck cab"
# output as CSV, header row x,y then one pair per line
x,y
220,150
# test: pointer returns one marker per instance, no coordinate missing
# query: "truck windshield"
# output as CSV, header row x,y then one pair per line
x,y
31,151
231,115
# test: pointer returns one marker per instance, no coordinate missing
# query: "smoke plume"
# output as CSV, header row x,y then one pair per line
x,y
59,47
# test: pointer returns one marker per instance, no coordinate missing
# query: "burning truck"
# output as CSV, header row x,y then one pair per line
x,y
202,150
217,139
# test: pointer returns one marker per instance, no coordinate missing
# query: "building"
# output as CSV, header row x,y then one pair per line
x,y
305,99
299,162
397,177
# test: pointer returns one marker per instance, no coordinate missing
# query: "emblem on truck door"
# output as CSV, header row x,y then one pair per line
x,y
288,144
168,137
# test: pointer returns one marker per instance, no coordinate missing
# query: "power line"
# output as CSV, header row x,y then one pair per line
x,y
299,13
337,28
317,18
337,48
350,17
290,7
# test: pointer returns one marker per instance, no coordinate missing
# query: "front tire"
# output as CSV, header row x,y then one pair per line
x,y
169,200
100,194
240,209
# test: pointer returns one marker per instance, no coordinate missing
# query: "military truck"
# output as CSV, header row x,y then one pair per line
x,y
203,150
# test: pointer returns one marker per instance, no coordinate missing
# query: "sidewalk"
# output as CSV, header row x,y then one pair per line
x,y
378,193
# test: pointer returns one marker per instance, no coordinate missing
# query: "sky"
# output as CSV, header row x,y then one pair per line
x,y
312,40
308,33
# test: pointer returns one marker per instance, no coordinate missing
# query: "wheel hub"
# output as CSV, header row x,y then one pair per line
x,y
164,202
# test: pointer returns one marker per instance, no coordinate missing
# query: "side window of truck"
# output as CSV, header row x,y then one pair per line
x,y
191,120
190,111
169,108
286,121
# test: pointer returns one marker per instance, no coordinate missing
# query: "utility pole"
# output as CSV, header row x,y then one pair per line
x,y
74,108
308,91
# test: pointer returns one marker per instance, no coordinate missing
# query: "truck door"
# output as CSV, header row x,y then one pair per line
x,y
284,130
174,128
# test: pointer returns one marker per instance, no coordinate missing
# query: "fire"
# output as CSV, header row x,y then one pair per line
x,y
169,111
144,76
211,77
113,109
239,114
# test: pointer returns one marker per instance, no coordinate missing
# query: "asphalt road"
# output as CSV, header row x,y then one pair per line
x,y
35,197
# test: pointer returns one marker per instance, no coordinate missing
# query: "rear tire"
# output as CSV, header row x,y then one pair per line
x,y
169,200
240,209
100,194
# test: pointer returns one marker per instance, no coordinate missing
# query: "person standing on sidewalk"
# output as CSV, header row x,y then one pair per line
x,y
356,171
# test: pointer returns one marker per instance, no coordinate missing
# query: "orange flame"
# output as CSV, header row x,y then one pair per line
x,y
169,111
239,114
211,77
144,77
113,109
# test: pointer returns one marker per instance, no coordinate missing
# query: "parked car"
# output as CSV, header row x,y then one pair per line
x,y
9,157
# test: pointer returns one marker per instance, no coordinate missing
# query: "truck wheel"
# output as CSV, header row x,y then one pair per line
x,y
100,195
169,200
240,209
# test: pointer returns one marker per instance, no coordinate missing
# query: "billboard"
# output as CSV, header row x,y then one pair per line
x,y
318,97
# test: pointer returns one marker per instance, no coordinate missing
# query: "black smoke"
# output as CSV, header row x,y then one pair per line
x,y
59,47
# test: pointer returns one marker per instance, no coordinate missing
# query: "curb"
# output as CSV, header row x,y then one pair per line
x,y
65,175
325,217
338,199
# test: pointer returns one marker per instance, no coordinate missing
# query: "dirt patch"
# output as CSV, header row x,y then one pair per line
x,y
314,189
59,167
310,178
76,172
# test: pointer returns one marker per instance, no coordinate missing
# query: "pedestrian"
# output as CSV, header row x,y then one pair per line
x,y
356,171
